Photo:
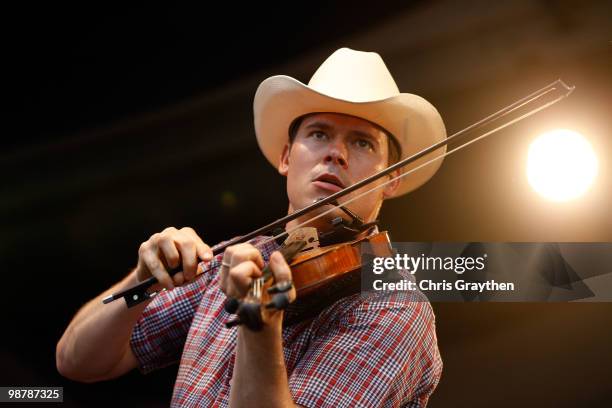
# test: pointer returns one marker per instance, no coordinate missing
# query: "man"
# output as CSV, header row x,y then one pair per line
x,y
348,123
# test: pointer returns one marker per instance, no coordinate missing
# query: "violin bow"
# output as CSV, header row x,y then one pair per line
x,y
557,90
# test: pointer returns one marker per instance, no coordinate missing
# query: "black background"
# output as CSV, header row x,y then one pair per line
x,y
123,121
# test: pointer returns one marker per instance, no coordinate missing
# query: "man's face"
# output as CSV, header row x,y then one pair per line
x,y
332,151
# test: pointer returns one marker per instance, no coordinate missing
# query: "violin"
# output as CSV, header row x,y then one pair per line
x,y
333,266
320,276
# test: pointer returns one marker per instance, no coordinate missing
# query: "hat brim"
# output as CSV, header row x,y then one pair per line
x,y
414,122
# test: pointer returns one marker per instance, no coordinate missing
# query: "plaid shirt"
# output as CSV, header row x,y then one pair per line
x,y
362,351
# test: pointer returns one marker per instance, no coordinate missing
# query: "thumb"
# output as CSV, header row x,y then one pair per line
x,y
279,267
281,271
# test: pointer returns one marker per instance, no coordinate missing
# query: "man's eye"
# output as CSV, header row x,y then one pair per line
x,y
365,144
318,135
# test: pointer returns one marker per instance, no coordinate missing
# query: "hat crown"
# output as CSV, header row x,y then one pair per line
x,y
355,76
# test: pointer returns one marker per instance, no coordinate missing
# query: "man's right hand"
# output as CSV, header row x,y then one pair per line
x,y
169,249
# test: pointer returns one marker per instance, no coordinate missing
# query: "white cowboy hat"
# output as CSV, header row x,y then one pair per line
x,y
354,83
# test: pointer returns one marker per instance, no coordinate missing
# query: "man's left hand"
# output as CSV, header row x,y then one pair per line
x,y
242,264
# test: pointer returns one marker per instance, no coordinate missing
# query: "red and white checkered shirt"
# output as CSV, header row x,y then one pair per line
x,y
362,351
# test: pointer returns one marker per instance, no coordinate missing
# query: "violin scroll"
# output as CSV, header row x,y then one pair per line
x,y
264,294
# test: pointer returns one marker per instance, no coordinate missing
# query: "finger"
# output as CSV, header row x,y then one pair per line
x,y
178,278
224,271
186,247
234,255
279,267
240,278
244,252
282,272
169,252
155,266
204,251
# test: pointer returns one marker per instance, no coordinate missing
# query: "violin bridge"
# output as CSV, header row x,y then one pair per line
x,y
305,234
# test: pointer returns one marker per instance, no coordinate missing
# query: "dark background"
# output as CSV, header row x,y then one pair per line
x,y
121,122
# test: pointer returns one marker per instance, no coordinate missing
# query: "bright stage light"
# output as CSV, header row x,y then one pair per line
x,y
561,165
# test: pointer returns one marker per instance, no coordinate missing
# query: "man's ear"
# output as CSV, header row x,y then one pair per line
x,y
392,187
283,165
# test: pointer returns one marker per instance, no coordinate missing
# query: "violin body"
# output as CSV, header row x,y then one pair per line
x,y
323,266
325,275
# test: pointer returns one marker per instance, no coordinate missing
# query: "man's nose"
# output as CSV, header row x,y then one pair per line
x,y
337,154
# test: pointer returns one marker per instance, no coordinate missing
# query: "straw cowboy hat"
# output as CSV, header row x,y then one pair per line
x,y
354,83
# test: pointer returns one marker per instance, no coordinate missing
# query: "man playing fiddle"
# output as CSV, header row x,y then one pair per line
x,y
348,123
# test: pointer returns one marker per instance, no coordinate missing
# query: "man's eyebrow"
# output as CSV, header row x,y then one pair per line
x,y
326,126
361,133
319,125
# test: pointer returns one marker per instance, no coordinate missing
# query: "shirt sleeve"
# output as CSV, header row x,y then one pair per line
x,y
382,352
159,335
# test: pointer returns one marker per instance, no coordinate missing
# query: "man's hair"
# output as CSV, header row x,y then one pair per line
x,y
395,150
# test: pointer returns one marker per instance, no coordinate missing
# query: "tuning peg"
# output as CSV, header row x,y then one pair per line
x,y
279,301
281,287
231,305
232,323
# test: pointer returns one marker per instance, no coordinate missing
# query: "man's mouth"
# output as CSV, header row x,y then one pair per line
x,y
329,182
